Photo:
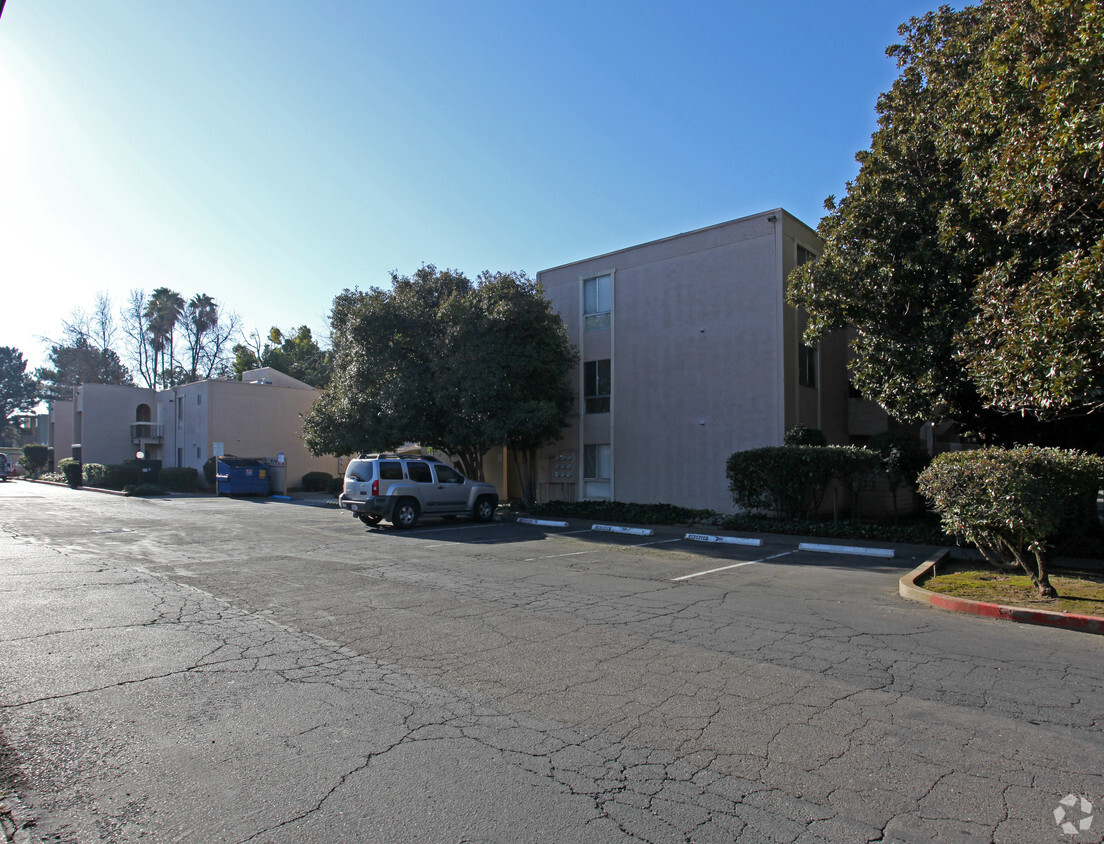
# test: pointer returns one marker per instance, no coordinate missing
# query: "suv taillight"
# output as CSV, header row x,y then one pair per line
x,y
375,488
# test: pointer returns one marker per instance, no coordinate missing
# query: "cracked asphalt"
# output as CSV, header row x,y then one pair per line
x,y
216,670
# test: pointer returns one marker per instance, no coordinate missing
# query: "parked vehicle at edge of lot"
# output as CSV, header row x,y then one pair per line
x,y
403,489
7,467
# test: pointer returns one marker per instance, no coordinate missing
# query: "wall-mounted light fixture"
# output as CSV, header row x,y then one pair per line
x,y
772,219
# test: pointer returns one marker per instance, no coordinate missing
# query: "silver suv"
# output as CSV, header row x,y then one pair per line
x,y
402,489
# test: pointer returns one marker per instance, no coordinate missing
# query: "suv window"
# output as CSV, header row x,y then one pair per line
x,y
419,472
390,470
448,475
360,471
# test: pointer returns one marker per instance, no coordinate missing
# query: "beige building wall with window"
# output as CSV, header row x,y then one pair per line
x,y
688,354
259,416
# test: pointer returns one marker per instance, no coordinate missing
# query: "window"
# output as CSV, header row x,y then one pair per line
x,y
597,302
448,475
390,470
596,385
180,410
419,472
804,256
197,453
806,365
597,471
199,400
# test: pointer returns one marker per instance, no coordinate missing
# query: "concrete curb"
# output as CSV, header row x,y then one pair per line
x,y
908,588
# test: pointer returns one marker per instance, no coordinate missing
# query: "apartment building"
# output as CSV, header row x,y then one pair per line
x,y
689,353
258,416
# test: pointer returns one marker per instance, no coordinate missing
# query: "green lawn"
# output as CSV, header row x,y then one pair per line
x,y
1078,592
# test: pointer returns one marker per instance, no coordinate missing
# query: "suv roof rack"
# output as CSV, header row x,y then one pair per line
x,y
392,456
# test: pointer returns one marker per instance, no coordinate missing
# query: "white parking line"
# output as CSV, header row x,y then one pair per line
x,y
553,556
733,566
657,542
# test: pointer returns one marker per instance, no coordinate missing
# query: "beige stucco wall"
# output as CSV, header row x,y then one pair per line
x,y
102,416
60,430
703,354
250,418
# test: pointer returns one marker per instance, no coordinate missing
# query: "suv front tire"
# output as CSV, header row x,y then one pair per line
x,y
484,509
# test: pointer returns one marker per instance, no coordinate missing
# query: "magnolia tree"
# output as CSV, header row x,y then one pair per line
x,y
1011,503
968,254
448,363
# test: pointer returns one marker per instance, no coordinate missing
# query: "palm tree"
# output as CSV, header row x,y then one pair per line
x,y
201,316
163,311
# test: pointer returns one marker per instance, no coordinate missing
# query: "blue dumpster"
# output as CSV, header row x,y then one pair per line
x,y
241,476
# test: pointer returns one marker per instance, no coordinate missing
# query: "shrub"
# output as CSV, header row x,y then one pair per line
x,y
1012,503
804,435
122,475
35,458
790,480
94,474
787,480
179,479
72,470
903,459
317,481
210,469
337,486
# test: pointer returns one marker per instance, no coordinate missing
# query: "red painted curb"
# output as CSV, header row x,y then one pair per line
x,y
908,588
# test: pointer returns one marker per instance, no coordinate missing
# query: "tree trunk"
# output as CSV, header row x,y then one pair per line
x,y
1037,571
525,464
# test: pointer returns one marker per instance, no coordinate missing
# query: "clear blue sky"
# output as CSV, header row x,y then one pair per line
x,y
271,153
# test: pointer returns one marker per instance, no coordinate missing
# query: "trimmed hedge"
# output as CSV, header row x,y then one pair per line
x,y
790,480
179,479
94,474
122,475
35,458
317,481
72,470
1013,504
804,435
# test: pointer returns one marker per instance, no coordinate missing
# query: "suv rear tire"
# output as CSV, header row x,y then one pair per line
x,y
484,509
405,514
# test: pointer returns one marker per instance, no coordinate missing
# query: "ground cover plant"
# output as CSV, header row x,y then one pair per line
x,y
1081,592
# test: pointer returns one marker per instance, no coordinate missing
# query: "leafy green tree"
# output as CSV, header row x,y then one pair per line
x,y
18,391
297,355
80,363
85,353
447,363
1012,503
35,458
968,253
506,371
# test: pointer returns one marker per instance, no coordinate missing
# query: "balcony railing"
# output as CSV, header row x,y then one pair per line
x,y
146,432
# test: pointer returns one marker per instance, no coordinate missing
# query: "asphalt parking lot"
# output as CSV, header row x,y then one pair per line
x,y
250,670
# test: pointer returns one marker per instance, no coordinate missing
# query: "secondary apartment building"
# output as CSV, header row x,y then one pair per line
x,y
689,353
258,416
